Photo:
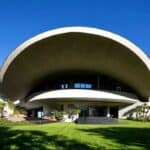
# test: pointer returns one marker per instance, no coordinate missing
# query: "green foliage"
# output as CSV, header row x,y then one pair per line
x,y
5,122
142,113
2,105
19,110
11,105
76,111
58,115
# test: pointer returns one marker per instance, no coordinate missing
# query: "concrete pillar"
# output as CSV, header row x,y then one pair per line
x,y
65,107
46,109
90,111
108,112
33,114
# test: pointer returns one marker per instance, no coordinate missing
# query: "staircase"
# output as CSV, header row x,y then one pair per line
x,y
96,120
124,112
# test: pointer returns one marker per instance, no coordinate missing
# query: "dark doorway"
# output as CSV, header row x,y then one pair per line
x,y
114,112
97,111
35,113
94,111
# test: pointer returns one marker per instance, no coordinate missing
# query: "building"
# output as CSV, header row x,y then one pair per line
x,y
97,71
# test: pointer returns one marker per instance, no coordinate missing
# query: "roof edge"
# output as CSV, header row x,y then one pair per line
x,y
87,30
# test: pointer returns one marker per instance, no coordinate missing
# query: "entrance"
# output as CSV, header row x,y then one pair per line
x,y
93,111
114,112
35,113
99,111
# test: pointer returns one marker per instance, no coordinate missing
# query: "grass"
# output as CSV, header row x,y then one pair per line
x,y
70,136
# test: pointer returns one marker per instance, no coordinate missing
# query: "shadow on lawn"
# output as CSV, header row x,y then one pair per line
x,y
124,135
37,140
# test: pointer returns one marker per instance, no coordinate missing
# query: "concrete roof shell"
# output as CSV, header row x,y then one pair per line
x,y
141,59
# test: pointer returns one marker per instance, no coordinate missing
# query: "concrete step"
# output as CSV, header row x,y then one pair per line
x,y
96,120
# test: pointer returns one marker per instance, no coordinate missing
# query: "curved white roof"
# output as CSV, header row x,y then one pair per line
x,y
42,55
87,30
81,94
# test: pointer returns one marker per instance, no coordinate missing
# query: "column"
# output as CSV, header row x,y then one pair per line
x,y
33,114
108,112
46,109
90,111
65,107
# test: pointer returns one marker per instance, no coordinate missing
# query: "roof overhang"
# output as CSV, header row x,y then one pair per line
x,y
82,96
74,48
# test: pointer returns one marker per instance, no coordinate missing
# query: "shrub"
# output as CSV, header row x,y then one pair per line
x,y
11,105
142,113
59,115
76,111
2,105
19,110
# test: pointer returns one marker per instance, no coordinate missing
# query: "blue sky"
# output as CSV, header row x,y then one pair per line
x,y
22,19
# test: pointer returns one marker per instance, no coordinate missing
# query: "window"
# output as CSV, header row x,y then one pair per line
x,y
40,114
88,86
82,85
64,86
77,85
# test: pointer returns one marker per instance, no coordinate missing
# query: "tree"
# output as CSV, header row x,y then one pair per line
x,y
143,112
76,111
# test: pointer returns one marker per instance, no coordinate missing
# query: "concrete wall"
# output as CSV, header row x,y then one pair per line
x,y
130,111
7,111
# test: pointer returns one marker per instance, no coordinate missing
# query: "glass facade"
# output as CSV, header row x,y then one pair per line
x,y
64,86
84,81
76,86
82,85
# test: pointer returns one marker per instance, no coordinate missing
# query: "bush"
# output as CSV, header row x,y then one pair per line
x,y
59,115
11,105
20,111
6,122
2,105
76,111
141,113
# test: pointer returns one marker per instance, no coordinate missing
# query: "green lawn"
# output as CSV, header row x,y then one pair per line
x,y
70,136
